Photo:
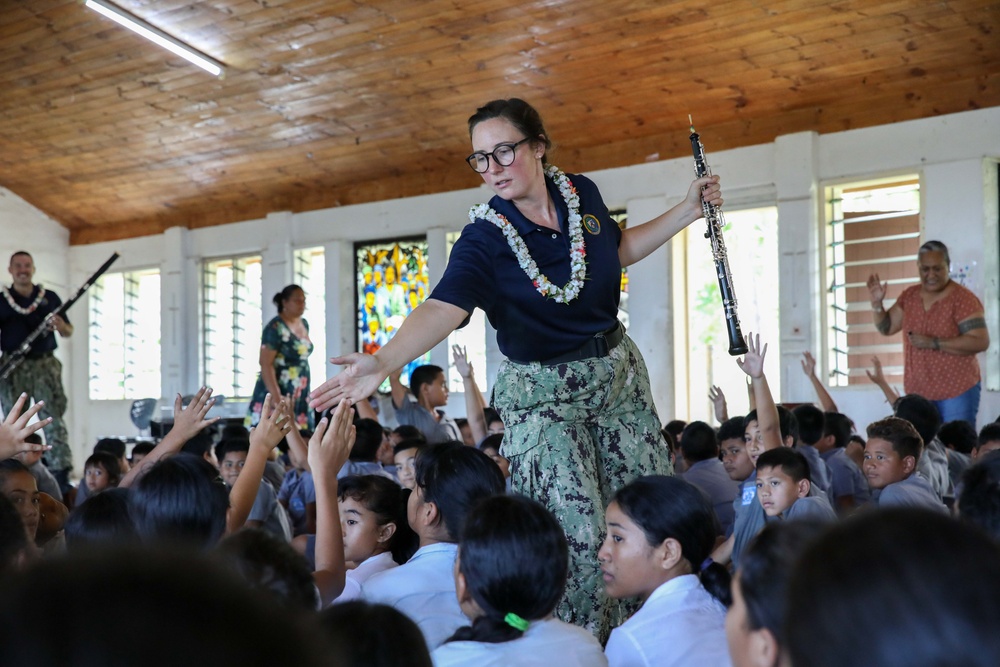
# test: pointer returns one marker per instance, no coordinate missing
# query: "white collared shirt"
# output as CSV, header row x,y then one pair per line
x,y
423,588
545,644
355,579
680,625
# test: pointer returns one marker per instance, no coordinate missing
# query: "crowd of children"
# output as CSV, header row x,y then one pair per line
x,y
361,545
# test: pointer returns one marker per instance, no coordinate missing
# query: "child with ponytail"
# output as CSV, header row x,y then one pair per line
x,y
510,573
660,533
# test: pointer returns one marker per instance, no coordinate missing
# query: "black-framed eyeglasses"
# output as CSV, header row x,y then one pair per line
x,y
503,155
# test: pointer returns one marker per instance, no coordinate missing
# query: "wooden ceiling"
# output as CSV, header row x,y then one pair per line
x,y
327,102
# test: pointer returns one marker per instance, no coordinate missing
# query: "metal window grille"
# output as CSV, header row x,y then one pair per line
x,y
231,324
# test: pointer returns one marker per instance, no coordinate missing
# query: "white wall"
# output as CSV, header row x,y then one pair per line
x,y
949,151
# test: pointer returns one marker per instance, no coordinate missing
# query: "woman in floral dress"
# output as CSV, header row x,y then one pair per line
x,y
284,358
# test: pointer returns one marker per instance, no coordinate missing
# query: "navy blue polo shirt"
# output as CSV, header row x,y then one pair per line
x,y
14,327
483,272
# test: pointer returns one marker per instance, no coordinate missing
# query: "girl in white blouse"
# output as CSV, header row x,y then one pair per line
x,y
510,573
660,533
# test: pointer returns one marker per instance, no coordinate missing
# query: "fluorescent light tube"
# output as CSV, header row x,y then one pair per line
x,y
155,35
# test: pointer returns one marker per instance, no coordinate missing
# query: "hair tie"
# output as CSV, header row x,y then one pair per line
x,y
516,622
705,564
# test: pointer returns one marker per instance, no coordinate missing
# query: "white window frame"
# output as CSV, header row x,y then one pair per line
x,y
245,318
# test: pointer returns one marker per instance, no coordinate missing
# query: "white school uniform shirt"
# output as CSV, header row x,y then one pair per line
x,y
680,625
355,579
423,588
545,644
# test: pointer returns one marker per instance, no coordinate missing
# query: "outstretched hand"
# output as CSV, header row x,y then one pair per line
x,y
753,362
876,375
275,422
357,381
331,443
461,360
718,403
15,428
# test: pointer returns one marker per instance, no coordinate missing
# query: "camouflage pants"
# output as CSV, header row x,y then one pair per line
x,y
576,433
41,380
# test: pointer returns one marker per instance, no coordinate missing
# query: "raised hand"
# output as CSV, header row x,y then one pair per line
x,y
876,288
275,422
190,420
876,375
357,381
753,362
331,443
15,428
461,361
808,364
718,403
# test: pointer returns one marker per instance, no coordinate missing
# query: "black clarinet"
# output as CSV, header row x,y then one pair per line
x,y
715,221
13,359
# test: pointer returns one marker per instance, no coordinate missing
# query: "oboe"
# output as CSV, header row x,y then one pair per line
x,y
715,221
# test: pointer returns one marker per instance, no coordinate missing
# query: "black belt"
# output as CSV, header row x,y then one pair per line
x,y
598,346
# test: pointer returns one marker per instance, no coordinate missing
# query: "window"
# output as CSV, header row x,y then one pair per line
x,y
310,275
871,227
391,279
703,359
231,325
125,336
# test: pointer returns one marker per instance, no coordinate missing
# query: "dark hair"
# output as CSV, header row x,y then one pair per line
x,y
765,568
180,500
839,426
101,520
787,424
387,501
935,246
175,608
856,438
518,113
34,438
21,252
668,507
979,500
113,446
368,440
933,601
791,462
514,556
365,634
422,375
674,427
454,476
270,565
959,435
920,412
409,432
231,445
200,444
811,421
900,434
284,295
491,442
8,466
13,539
490,415
989,433
142,448
734,427
234,431
107,461
698,442
409,443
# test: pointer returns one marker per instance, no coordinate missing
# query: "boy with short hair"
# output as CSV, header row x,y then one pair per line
x,y
891,457
429,387
783,487
266,512
847,482
405,456
700,451
989,440
101,471
450,478
364,454
811,422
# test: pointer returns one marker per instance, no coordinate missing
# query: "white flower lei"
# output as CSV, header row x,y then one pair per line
x,y
577,251
32,307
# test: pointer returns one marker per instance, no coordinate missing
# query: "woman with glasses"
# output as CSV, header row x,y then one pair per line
x,y
543,259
